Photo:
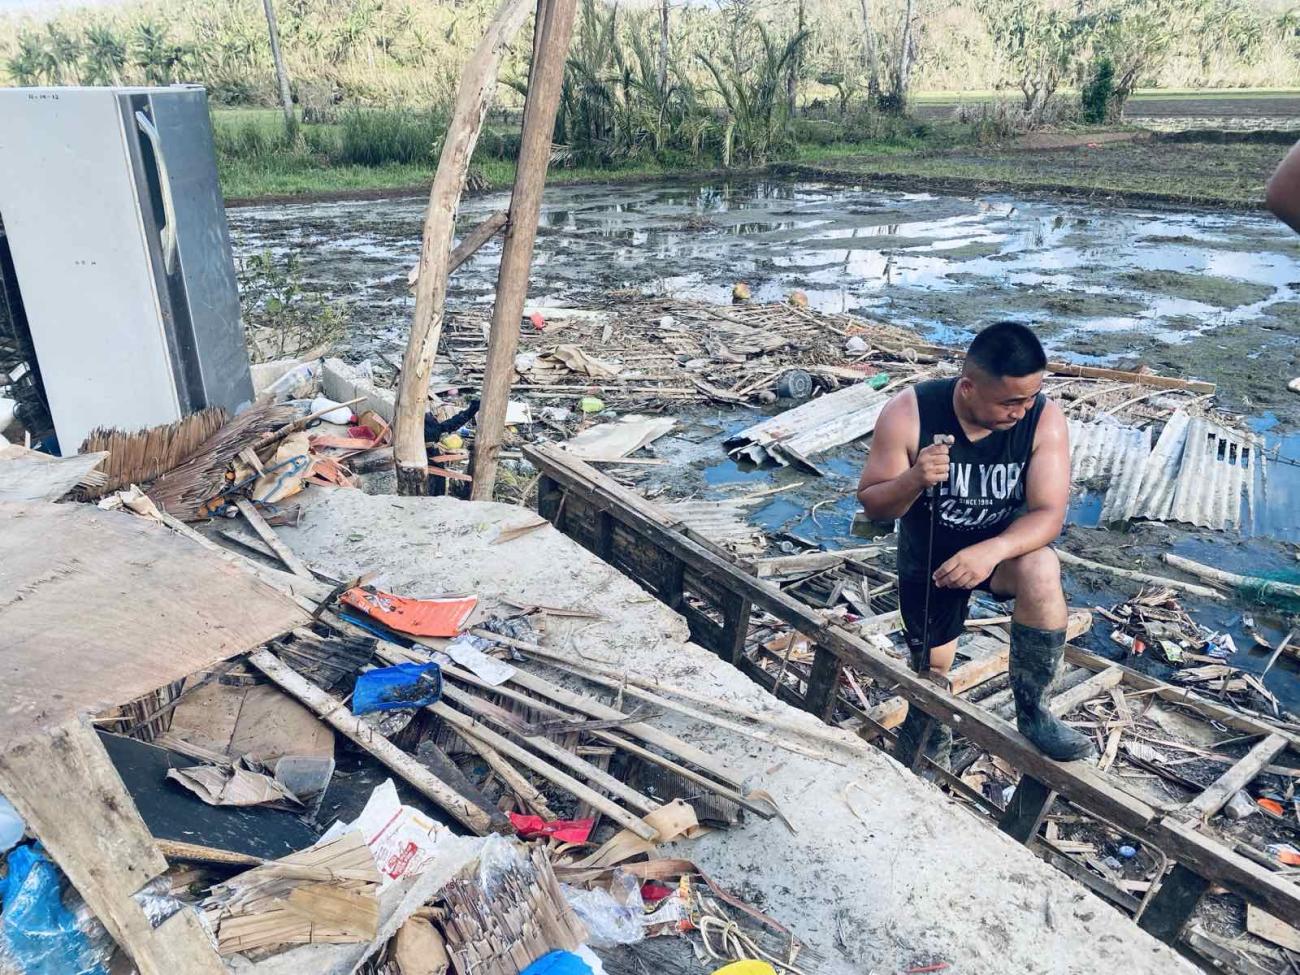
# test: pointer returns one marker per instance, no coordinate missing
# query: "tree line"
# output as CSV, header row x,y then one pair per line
x,y
726,78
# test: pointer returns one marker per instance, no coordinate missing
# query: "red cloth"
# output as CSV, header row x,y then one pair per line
x,y
418,617
564,830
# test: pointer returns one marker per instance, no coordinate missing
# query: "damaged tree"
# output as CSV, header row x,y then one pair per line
x,y
473,98
552,29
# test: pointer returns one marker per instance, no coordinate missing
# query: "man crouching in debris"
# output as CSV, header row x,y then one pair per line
x,y
996,451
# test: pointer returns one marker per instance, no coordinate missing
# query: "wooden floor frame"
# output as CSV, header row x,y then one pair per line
x,y
673,563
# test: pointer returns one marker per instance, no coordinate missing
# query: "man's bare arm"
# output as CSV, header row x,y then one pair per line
x,y
1048,496
1282,194
891,482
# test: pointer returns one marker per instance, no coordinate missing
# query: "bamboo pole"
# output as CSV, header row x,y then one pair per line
x,y
478,81
545,77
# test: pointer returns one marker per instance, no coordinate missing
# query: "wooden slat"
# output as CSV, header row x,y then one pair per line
x,y
1183,696
1094,686
336,714
551,750
1237,777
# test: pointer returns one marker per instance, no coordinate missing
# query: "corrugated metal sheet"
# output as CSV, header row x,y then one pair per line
x,y
800,433
722,522
1132,453
1113,455
1156,497
1217,465
1199,473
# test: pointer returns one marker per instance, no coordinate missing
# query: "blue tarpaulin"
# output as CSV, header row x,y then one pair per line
x,y
558,963
37,933
396,687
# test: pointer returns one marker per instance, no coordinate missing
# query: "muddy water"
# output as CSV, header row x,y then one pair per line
x,y
1101,285
1204,294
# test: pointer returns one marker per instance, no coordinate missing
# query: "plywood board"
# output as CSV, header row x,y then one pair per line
x,y
260,720
100,607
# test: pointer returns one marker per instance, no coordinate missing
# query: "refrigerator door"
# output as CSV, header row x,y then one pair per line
x,y
80,253
177,180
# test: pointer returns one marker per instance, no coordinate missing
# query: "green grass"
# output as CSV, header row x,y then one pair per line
x,y
1222,175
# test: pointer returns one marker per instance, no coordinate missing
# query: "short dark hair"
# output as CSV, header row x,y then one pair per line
x,y
1007,349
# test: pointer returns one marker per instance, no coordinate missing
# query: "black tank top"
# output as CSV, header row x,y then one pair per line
x,y
986,481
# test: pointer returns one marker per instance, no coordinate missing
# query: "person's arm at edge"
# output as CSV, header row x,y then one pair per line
x,y
1282,193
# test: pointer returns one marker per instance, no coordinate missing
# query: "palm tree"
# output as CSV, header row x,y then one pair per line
x,y
153,54
105,56
63,52
27,63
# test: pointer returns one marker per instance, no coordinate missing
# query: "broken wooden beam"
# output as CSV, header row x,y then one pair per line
x,y
1237,777
336,714
283,552
1137,378
64,785
552,31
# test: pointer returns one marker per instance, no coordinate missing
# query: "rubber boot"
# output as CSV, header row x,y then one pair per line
x,y
1035,655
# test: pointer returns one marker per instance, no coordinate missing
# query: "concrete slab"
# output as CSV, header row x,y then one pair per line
x,y
884,872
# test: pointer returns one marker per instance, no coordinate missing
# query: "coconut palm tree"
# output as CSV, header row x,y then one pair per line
x,y
105,56
63,54
26,65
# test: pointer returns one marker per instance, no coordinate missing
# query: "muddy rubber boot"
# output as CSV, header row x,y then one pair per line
x,y
1035,655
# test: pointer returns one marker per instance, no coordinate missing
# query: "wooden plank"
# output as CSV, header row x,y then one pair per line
x,y
1173,905
613,738
1137,378
64,785
511,776
335,713
1210,858
1184,696
1095,686
1264,925
1238,776
113,606
285,554
551,750
1027,809
464,724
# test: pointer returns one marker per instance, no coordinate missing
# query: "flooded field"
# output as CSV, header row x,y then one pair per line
x,y
1101,285
1211,295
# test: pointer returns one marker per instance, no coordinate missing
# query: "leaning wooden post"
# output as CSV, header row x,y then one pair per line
x,y
545,78
478,81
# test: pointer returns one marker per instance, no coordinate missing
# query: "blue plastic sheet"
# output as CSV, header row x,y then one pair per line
x,y
558,963
397,687
38,934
